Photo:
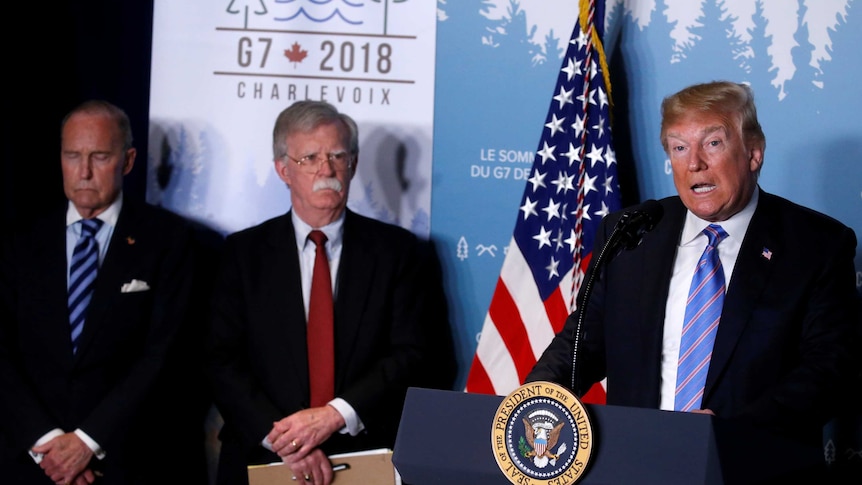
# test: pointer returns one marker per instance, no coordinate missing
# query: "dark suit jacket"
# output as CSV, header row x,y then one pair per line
x,y
123,385
391,332
784,350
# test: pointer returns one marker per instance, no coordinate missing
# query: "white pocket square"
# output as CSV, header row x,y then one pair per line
x,y
134,285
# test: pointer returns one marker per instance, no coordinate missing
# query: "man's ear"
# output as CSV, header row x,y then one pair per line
x,y
355,164
129,161
755,157
281,168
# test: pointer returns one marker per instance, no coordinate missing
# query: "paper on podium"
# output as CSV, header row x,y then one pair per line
x,y
372,467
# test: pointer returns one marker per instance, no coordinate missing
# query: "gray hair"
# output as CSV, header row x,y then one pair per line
x,y
304,116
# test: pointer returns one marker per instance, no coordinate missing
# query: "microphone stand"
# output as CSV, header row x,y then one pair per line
x,y
585,297
629,230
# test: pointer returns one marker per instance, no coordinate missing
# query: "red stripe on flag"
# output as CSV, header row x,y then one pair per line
x,y
507,318
477,380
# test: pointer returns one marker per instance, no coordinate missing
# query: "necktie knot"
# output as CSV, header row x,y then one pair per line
x,y
715,233
317,237
89,227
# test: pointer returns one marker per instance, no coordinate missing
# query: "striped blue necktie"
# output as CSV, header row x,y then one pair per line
x,y
82,276
702,314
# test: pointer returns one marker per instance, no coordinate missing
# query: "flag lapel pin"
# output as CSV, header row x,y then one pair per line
x,y
766,254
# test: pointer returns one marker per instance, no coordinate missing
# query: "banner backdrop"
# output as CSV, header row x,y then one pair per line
x,y
497,62
222,71
471,79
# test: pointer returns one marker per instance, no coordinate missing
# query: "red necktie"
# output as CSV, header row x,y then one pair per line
x,y
321,353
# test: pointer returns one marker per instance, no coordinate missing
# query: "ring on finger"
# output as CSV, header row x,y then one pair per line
x,y
307,477
293,443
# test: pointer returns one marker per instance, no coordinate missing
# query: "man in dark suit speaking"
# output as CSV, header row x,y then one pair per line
x,y
321,317
738,303
94,297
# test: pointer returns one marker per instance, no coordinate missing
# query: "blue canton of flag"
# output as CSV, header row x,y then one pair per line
x,y
573,182
573,185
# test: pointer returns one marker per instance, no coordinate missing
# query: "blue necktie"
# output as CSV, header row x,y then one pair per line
x,y
702,314
82,276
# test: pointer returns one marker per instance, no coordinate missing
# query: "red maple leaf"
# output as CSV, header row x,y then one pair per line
x,y
295,54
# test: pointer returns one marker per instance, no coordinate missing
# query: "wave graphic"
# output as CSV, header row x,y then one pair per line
x,y
302,13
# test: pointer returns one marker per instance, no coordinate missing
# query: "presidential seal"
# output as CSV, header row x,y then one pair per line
x,y
542,435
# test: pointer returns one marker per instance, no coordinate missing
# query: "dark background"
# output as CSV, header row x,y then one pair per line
x,y
56,56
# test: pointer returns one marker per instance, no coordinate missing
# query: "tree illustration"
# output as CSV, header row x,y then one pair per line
x,y
716,40
759,64
844,38
660,29
803,83
244,9
510,37
553,52
386,11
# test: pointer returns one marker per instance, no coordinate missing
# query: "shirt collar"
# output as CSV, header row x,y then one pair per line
x,y
735,227
333,230
109,216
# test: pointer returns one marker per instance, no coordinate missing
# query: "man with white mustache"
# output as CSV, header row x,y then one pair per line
x,y
390,327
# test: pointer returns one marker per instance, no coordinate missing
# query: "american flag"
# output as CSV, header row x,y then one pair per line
x,y
573,184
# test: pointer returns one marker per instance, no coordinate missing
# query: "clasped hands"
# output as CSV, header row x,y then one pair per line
x,y
297,437
65,459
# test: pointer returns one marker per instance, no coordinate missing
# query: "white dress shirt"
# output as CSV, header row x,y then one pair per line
x,y
691,245
307,251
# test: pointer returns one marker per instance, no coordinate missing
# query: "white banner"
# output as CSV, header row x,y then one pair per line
x,y
222,71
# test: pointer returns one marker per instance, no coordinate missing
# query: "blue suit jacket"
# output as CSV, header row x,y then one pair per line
x,y
784,351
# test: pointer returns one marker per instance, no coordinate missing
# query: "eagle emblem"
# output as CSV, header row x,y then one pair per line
x,y
541,435
542,432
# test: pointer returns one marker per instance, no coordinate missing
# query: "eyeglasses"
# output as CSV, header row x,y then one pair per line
x,y
340,161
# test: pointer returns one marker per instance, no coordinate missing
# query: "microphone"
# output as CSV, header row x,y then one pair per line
x,y
627,234
634,223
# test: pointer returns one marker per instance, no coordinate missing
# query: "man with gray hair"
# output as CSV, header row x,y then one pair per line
x,y
95,311
322,317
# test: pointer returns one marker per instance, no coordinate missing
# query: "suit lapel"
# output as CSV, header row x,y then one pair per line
x,y
127,245
287,308
655,258
355,272
47,256
660,250
751,274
